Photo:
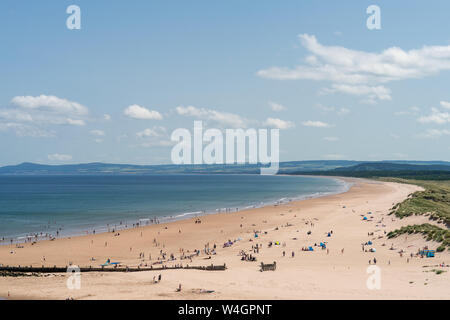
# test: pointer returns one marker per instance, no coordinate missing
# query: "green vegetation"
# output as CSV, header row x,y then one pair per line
x,y
438,271
439,175
434,201
430,231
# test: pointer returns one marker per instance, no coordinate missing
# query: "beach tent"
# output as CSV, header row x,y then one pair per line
x,y
310,249
369,243
228,244
429,253
109,263
365,218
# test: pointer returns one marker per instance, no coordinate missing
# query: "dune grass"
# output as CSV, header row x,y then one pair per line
x,y
429,231
433,202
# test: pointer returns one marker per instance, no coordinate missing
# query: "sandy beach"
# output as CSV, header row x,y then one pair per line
x,y
337,272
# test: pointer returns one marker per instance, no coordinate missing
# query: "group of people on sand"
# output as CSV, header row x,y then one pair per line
x,y
247,257
157,280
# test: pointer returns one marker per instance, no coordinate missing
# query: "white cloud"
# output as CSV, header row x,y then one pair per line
x,y
412,111
334,156
157,143
353,71
339,111
154,137
278,123
331,139
152,132
137,112
74,122
225,119
25,130
15,115
59,157
276,106
98,133
430,133
445,104
316,124
373,93
343,111
436,116
51,103
106,117
29,116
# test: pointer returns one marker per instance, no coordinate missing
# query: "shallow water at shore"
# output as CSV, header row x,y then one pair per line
x,y
74,205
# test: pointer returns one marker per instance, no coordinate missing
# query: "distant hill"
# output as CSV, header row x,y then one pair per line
x,y
383,166
321,167
28,168
432,170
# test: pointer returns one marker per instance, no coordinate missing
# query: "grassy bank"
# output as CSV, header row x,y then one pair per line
x,y
431,232
433,202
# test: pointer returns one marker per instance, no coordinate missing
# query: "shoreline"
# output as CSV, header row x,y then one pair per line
x,y
113,227
320,274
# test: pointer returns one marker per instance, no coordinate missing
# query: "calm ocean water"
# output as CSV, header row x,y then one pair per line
x,y
75,204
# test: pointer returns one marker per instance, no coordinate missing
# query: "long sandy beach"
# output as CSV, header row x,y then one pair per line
x,y
337,272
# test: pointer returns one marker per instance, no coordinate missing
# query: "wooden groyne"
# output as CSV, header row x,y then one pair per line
x,y
268,266
55,269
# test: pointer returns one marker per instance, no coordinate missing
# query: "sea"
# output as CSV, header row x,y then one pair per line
x,y
39,207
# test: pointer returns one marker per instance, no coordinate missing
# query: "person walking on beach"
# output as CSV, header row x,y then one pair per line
x,y
159,278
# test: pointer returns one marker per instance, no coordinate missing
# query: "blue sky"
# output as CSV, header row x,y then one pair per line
x,y
115,90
